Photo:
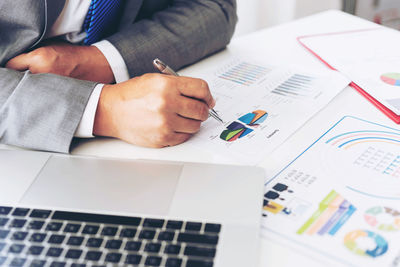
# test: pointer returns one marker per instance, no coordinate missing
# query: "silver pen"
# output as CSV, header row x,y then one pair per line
x,y
164,68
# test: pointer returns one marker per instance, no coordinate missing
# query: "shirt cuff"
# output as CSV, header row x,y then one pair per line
x,y
115,60
85,127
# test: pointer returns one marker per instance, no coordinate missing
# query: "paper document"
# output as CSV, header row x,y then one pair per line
x,y
261,107
340,199
370,58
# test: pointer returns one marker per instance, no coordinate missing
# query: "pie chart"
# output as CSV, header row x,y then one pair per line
x,y
392,78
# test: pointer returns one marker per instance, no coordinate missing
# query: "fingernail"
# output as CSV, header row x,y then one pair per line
x,y
213,103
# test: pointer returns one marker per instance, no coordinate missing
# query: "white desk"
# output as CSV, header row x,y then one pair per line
x,y
276,45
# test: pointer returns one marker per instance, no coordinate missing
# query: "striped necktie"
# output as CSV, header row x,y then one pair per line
x,y
102,19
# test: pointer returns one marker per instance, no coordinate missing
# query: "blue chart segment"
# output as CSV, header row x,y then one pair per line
x,y
296,86
234,131
255,118
237,130
351,241
244,73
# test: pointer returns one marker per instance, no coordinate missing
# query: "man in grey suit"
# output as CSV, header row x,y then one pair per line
x,y
48,87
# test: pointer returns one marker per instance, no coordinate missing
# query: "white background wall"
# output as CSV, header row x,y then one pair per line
x,y
257,14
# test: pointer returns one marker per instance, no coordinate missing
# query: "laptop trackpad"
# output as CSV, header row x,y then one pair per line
x,y
105,185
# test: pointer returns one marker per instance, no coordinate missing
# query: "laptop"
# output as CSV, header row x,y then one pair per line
x,y
61,210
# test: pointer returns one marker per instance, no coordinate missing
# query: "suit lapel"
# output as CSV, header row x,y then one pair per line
x,y
54,8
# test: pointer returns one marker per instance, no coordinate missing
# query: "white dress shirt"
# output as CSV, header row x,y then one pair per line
x,y
69,27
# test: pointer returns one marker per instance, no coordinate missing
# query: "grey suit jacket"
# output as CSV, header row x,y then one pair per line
x,y
42,111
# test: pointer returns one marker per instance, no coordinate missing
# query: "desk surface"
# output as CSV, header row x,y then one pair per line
x,y
277,46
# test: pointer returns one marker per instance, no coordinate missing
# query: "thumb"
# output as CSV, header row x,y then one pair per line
x,y
20,63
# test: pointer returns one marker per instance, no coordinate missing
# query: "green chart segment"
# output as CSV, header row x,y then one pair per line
x,y
237,130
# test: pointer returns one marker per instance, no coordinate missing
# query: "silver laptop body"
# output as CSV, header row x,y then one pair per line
x,y
221,194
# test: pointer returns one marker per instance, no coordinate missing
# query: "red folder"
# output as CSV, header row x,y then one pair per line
x,y
393,116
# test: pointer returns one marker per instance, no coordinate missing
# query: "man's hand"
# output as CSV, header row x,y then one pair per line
x,y
153,110
81,62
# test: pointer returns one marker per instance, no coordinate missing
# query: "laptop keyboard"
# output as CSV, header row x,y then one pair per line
x,y
33,237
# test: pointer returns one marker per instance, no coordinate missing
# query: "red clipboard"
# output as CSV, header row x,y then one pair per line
x,y
393,116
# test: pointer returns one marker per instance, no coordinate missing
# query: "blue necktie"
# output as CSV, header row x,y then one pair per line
x,y
101,19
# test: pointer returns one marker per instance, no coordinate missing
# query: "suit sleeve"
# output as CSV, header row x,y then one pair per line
x,y
41,111
181,34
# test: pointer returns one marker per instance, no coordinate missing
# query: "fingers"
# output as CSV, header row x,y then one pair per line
x,y
184,125
20,62
192,108
196,88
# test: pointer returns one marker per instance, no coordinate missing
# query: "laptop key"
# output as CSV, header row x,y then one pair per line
x,y
37,263
56,239
173,262
153,223
17,262
42,214
175,225
54,252
93,255
172,249
94,242
96,218
3,221
109,231
5,210
166,236
152,247
2,246
19,236
133,259
133,246
113,257
58,264
37,237
35,225
54,226
128,232
73,254
153,261
17,223
22,212
16,248
147,234
2,260
78,265
4,234
113,244
198,263
72,228
75,241
193,226
90,229
35,250
199,251
198,238
212,228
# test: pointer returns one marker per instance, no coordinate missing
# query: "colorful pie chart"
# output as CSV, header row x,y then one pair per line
x,y
392,78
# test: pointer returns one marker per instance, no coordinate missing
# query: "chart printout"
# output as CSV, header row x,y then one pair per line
x,y
340,199
370,58
261,107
